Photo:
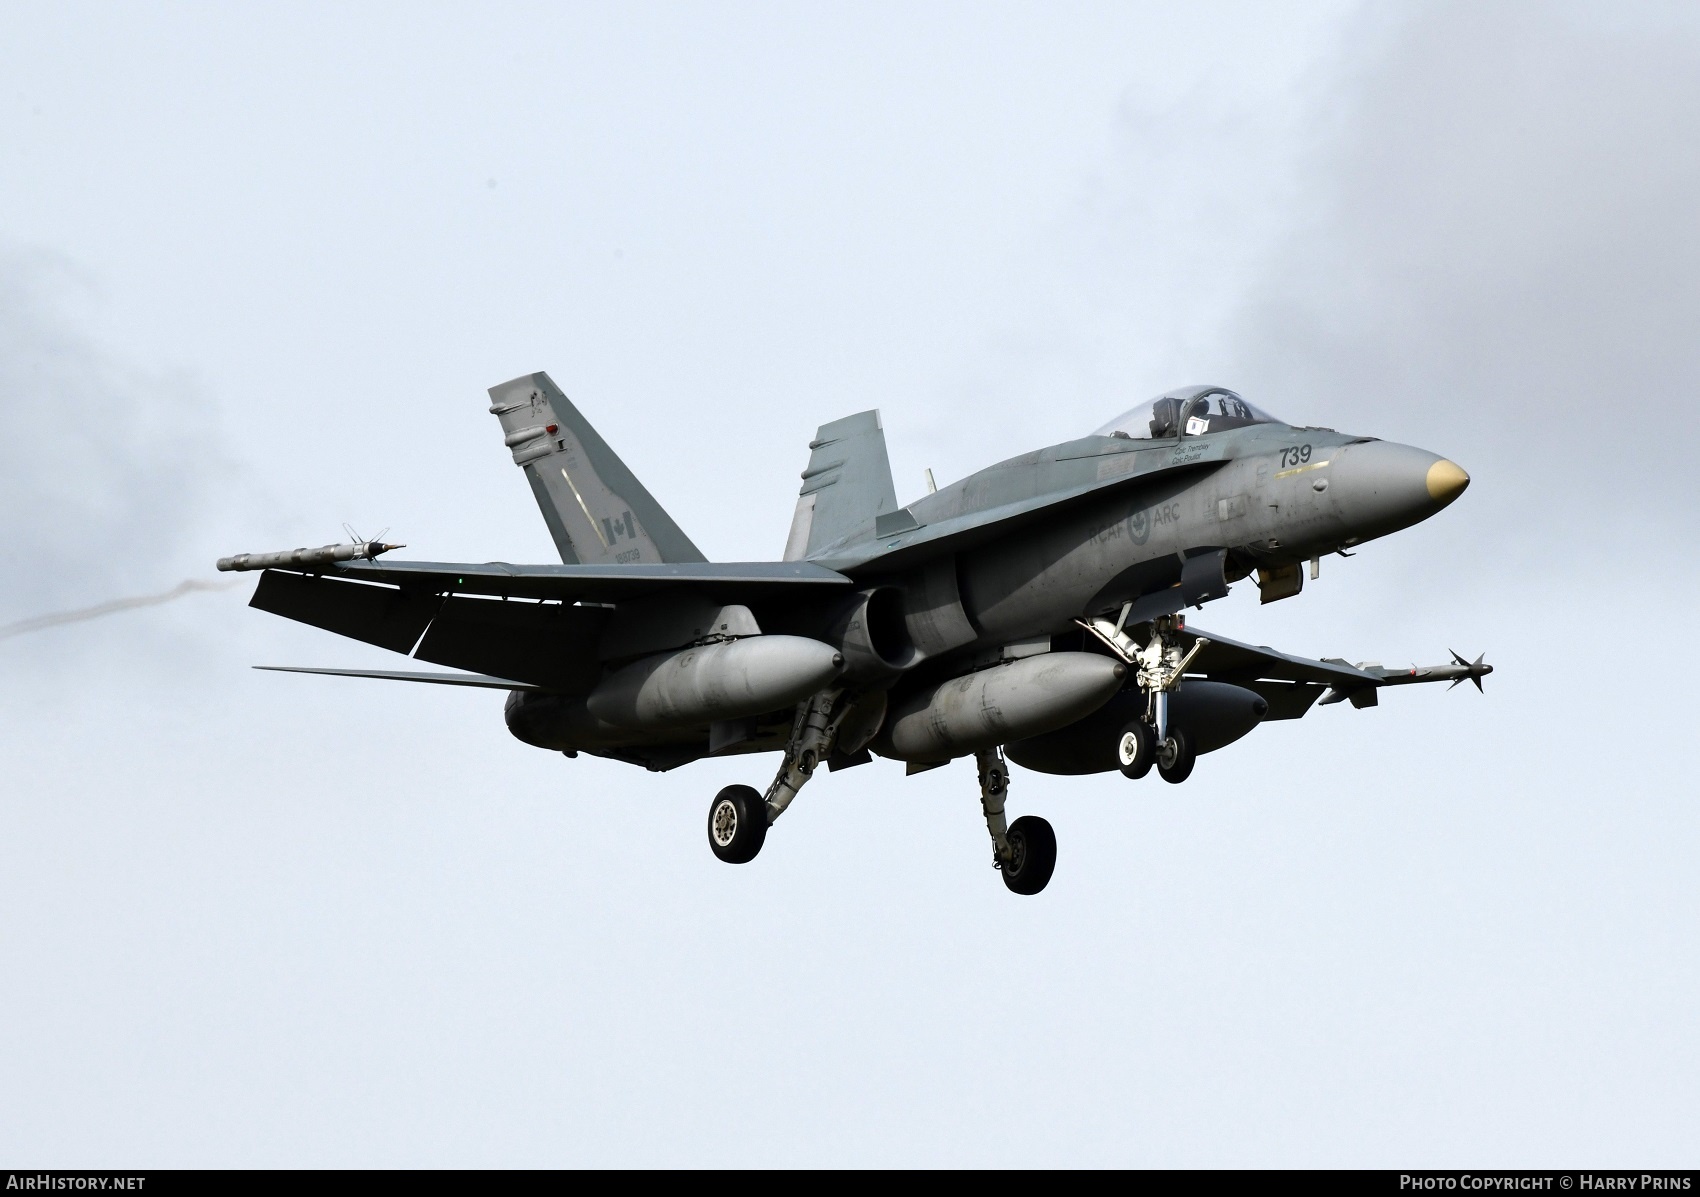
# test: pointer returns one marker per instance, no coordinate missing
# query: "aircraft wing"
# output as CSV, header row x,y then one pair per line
x,y
732,581
1290,684
537,625
1227,660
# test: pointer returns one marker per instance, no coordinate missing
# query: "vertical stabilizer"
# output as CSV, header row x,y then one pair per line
x,y
847,484
596,509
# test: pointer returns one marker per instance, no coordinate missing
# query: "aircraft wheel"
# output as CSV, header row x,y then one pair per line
x,y
1136,749
1176,758
737,824
1035,855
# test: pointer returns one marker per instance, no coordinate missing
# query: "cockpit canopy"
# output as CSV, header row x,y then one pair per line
x,y
1190,410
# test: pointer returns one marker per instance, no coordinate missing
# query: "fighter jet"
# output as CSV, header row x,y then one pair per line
x,y
1032,612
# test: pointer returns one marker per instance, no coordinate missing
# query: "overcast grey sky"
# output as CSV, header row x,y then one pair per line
x,y
256,269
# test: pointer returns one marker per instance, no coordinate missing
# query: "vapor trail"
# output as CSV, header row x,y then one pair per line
x,y
112,608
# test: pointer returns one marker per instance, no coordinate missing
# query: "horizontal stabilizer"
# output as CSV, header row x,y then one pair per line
x,y
483,681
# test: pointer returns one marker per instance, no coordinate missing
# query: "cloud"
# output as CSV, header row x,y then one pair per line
x,y
106,470
1495,254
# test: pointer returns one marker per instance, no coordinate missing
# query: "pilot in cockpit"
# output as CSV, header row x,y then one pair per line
x,y
1165,417
1190,412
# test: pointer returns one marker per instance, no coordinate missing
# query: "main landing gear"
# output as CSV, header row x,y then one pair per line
x,y
1025,851
737,824
738,818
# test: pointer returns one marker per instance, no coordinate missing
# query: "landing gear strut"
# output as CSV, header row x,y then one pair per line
x,y
812,736
1161,663
739,817
1025,852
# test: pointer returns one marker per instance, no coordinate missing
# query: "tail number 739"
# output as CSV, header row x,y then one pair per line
x,y
1297,455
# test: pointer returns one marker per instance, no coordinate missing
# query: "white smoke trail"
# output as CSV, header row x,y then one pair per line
x,y
188,586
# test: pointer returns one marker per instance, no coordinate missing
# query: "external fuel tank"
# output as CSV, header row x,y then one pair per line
x,y
715,681
1011,701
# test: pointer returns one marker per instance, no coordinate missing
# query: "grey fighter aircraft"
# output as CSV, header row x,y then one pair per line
x,y
1032,612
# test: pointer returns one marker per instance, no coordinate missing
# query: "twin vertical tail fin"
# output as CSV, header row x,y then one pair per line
x,y
846,487
596,509
599,513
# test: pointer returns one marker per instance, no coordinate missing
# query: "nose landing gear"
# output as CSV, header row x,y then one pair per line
x,y
1162,664
1136,750
1176,757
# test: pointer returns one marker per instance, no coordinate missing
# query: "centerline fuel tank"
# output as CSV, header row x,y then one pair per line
x,y
1213,714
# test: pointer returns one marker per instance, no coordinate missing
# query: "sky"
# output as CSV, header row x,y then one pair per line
x,y
257,268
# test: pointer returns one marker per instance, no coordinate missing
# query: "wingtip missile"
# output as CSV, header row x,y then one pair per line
x,y
330,554
1474,671
1460,671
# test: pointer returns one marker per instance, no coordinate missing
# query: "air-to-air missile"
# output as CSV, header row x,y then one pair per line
x,y
1035,608
330,554
1460,671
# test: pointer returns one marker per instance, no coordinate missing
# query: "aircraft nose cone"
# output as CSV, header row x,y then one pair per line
x,y
1446,481
1381,487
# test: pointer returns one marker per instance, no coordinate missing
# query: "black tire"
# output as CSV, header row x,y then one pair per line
x,y
1136,749
1176,758
1035,855
737,824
